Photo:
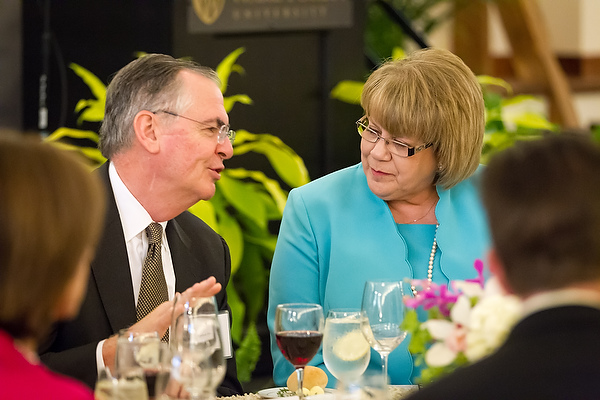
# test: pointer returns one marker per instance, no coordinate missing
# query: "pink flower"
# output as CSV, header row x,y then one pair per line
x,y
479,268
474,318
457,340
434,296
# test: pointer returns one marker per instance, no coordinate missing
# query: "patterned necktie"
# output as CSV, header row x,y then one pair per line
x,y
153,289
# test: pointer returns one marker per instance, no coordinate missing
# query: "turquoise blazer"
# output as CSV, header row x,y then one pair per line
x,y
336,234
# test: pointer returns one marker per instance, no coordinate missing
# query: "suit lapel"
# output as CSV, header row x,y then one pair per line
x,y
184,262
111,272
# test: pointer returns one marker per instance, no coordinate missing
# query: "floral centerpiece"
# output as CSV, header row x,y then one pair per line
x,y
466,321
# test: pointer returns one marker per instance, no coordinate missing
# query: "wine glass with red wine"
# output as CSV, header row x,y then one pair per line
x,y
299,332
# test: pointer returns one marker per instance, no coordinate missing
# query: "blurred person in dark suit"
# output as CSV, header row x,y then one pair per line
x,y
543,203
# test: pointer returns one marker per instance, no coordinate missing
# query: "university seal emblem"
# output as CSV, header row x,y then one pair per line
x,y
208,10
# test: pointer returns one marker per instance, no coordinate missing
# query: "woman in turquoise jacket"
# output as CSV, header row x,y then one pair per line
x,y
409,209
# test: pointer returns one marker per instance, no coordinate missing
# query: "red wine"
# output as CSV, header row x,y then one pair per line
x,y
299,347
156,381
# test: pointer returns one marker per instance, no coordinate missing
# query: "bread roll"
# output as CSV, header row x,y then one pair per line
x,y
313,376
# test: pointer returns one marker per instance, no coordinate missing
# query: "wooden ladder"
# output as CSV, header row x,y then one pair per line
x,y
533,59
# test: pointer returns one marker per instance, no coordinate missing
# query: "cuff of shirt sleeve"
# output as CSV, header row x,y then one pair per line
x,y
99,358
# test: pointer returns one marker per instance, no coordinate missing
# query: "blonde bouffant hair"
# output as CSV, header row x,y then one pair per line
x,y
431,96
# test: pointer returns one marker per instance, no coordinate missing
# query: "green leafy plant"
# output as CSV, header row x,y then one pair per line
x,y
244,204
596,132
510,118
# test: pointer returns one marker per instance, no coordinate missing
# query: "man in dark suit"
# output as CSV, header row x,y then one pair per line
x,y
165,134
543,202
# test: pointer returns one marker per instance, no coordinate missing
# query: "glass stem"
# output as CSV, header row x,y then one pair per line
x,y
300,375
384,362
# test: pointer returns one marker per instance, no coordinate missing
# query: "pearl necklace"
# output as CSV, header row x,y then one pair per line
x,y
431,258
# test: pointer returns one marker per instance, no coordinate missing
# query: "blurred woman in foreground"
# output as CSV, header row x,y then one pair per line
x,y
51,210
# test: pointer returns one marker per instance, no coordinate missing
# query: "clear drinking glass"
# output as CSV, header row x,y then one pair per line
x,y
384,308
142,351
346,352
299,332
106,386
198,361
128,386
160,373
215,363
188,306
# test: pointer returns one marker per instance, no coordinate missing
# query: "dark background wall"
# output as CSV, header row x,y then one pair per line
x,y
10,64
288,73
101,36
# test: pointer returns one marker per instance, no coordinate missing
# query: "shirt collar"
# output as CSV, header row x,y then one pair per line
x,y
561,297
134,216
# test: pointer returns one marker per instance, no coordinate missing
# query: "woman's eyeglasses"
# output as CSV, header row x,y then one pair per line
x,y
394,146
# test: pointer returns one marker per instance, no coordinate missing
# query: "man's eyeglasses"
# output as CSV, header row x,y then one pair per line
x,y
394,146
224,130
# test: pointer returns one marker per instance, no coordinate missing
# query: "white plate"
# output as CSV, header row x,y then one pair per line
x,y
271,393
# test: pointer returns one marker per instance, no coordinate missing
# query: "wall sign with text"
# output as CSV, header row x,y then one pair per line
x,y
237,16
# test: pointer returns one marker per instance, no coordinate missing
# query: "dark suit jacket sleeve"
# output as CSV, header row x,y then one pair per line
x,y
77,362
230,385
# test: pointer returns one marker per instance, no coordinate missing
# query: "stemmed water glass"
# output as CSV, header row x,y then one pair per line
x,y
299,332
139,352
184,305
346,352
130,386
198,361
384,308
215,363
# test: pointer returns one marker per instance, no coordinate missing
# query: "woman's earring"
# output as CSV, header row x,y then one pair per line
x,y
440,166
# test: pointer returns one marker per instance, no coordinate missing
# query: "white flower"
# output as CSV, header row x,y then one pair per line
x,y
450,335
469,289
473,321
439,355
493,288
491,320
476,331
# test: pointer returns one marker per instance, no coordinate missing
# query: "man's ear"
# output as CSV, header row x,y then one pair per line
x,y
145,127
497,269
